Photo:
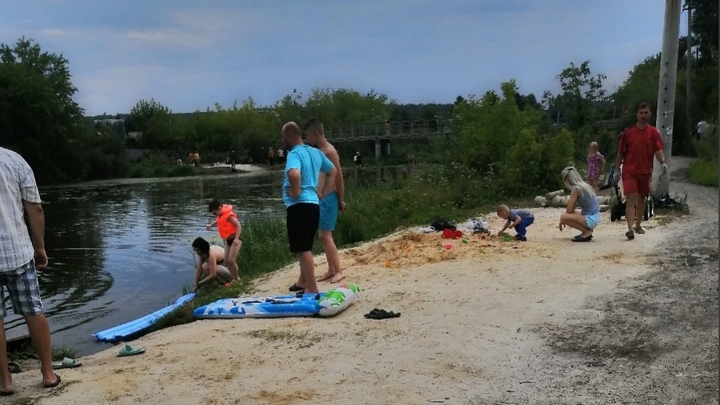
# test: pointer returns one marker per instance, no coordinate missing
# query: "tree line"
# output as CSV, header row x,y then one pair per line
x,y
517,137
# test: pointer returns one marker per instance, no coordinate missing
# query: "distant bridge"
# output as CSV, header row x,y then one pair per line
x,y
395,130
412,129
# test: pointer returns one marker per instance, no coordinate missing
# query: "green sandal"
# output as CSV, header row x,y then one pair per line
x,y
129,351
66,363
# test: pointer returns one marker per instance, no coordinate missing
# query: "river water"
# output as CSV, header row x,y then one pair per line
x,y
119,250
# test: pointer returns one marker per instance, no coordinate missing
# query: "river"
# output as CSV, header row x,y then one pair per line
x,y
120,249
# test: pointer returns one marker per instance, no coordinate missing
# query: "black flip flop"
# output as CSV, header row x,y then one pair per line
x,y
6,393
381,314
14,368
295,288
55,384
580,238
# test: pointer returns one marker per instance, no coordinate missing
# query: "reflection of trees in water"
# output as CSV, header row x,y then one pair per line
x,y
76,219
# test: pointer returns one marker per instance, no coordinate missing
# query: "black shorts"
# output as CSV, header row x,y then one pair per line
x,y
231,239
302,224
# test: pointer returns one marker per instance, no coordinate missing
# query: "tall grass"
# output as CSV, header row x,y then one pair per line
x,y
704,171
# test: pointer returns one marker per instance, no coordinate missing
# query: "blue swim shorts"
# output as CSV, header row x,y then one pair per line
x,y
329,207
592,220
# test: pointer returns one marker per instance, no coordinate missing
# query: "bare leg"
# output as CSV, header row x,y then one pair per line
x,y
230,259
333,258
632,200
576,221
307,272
593,184
5,377
40,336
639,214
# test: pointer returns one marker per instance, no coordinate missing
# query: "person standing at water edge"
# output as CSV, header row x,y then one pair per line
x,y
636,148
331,204
19,256
229,229
582,195
302,198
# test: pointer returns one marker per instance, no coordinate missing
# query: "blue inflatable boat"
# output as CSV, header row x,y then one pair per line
x,y
140,325
322,304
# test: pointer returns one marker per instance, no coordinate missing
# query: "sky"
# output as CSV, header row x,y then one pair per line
x,y
189,55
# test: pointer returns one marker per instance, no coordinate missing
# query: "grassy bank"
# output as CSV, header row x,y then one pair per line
x,y
704,172
453,194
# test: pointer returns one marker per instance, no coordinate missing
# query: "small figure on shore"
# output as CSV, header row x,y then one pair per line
x,y
595,165
357,159
229,229
232,157
211,265
518,219
582,196
271,155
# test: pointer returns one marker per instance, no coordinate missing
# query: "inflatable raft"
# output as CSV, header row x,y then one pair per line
x,y
137,326
323,304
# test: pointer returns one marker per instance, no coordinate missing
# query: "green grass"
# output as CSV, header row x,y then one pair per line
x,y
704,172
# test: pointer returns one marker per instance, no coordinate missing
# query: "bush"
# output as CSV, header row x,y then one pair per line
x,y
704,172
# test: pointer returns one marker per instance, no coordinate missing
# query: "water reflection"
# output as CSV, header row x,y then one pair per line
x,y
119,250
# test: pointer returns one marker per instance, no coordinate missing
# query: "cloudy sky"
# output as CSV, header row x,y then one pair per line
x,y
191,54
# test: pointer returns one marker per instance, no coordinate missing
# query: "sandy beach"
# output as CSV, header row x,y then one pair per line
x,y
546,321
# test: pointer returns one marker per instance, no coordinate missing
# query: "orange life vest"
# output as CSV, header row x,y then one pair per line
x,y
225,227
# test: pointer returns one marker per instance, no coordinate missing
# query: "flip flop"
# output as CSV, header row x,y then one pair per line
x,y
333,281
295,288
129,351
381,314
6,393
14,368
580,238
324,277
55,384
66,363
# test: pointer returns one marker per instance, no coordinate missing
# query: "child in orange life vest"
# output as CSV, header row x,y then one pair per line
x,y
229,228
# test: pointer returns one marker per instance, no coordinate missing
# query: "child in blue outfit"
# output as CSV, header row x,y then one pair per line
x,y
518,219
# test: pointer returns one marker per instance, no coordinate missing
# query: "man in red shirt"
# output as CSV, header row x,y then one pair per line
x,y
636,148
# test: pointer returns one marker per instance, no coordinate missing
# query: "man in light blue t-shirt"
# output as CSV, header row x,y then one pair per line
x,y
302,199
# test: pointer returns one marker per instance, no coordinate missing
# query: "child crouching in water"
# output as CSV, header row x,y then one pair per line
x,y
582,196
518,219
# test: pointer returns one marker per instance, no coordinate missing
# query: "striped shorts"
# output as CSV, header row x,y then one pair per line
x,y
24,290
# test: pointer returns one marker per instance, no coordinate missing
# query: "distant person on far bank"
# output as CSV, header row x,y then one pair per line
x,y
637,146
700,129
21,253
232,157
302,199
357,159
281,155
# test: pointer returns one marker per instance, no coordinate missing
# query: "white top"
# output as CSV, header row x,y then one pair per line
x,y
701,127
17,184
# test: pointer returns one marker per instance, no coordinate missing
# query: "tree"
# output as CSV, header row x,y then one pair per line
x,y
581,91
155,121
38,116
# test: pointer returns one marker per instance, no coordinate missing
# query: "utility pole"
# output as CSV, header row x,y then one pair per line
x,y
666,93
688,57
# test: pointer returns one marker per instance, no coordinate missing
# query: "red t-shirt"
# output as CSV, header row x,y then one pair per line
x,y
638,147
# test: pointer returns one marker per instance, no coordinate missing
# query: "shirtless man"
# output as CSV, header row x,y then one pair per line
x,y
333,203
210,266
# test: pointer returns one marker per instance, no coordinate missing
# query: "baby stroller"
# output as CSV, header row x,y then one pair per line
x,y
617,210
